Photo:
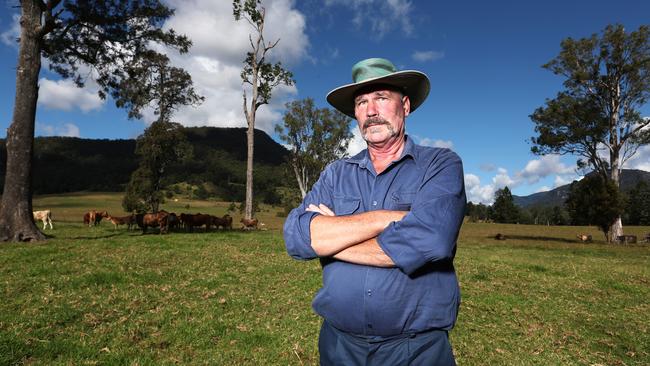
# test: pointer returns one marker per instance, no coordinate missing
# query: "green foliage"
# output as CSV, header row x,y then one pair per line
x,y
141,195
153,82
69,164
108,35
504,209
607,81
242,207
477,212
161,144
638,208
316,138
595,201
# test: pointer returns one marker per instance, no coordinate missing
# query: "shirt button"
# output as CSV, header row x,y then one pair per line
x,y
369,292
374,203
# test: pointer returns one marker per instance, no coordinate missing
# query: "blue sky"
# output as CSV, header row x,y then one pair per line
x,y
483,58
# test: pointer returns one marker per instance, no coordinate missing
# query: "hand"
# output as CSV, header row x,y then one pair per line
x,y
321,209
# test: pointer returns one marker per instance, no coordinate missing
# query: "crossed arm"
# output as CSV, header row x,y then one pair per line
x,y
351,238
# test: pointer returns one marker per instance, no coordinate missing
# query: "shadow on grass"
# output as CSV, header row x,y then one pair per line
x,y
96,237
537,238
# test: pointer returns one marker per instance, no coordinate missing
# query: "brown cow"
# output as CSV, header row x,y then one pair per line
x,y
93,217
124,220
225,222
172,221
198,220
158,219
585,238
249,224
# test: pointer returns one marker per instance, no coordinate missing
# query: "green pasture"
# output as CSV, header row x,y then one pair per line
x,y
100,296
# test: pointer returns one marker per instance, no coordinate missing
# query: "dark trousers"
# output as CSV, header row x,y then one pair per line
x,y
339,348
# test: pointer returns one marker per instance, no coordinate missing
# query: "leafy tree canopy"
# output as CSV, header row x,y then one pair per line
x,y
316,137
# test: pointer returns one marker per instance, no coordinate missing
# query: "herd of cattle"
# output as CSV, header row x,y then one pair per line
x,y
162,220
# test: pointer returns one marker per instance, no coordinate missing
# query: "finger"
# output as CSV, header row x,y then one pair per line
x,y
326,210
313,208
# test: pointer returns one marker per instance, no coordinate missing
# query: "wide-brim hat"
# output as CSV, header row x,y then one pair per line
x,y
375,71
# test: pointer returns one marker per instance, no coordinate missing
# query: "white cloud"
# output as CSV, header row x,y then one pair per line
x,y
381,16
640,160
10,36
563,180
543,167
477,193
65,95
357,143
434,143
215,60
424,56
533,172
67,129
502,179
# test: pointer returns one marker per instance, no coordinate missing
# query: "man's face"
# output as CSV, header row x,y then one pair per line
x,y
380,112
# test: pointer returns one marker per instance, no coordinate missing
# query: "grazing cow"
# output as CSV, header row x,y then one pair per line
x,y
249,224
124,220
585,238
158,219
646,238
45,216
172,221
626,239
225,222
93,217
198,220
500,236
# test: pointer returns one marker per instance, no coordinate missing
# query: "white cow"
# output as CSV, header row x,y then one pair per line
x,y
45,216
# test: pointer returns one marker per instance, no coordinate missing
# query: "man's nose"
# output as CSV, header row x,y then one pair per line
x,y
371,110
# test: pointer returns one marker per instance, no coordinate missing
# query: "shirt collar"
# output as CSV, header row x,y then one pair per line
x,y
363,159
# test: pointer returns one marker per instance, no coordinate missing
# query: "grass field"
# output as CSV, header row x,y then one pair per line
x,y
99,296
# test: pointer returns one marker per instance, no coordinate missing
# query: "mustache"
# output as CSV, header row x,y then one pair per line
x,y
374,121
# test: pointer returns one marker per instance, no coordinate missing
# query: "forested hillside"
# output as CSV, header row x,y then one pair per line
x,y
557,196
69,164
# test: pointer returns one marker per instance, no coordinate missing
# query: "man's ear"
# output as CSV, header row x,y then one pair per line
x,y
406,104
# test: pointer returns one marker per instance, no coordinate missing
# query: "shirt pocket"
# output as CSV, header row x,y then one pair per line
x,y
346,205
402,200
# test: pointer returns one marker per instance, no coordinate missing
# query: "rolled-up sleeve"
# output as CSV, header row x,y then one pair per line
x,y
296,232
428,233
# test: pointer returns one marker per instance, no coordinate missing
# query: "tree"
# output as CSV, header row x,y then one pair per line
x,y
595,200
638,208
101,35
596,117
504,207
316,137
152,82
261,75
161,144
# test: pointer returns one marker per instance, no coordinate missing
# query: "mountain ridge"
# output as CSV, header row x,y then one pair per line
x,y
557,196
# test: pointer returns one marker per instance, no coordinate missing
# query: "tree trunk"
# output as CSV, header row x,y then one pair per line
x,y
250,137
301,184
16,219
616,229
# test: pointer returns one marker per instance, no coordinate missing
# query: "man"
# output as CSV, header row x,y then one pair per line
x,y
384,224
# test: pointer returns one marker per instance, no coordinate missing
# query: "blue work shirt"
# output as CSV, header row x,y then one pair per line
x,y
421,292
